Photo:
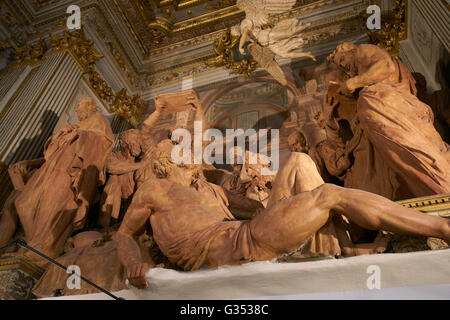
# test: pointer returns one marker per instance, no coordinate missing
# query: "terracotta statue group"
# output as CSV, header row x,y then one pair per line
x,y
380,143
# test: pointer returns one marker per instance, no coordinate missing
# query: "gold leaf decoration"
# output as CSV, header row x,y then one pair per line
x,y
29,54
394,30
128,108
223,46
78,46
100,86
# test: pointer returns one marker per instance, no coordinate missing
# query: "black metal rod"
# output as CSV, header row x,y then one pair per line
x,y
23,244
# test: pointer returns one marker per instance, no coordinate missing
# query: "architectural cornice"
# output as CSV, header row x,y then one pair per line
x,y
141,70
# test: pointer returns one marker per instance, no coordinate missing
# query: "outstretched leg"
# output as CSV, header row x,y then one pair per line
x,y
286,225
375,212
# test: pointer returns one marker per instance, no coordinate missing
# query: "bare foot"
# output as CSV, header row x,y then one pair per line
x,y
136,275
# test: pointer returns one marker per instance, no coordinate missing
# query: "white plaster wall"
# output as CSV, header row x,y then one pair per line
x,y
428,39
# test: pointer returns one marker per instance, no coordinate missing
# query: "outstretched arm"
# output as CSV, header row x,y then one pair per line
x,y
151,120
19,174
116,166
127,248
245,37
373,64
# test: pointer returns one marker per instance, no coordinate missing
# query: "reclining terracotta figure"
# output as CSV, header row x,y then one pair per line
x,y
193,227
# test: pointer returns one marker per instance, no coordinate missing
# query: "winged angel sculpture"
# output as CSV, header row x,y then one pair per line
x,y
265,42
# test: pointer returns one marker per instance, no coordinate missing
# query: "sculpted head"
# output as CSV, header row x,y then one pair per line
x,y
161,160
297,142
164,168
344,56
86,108
130,141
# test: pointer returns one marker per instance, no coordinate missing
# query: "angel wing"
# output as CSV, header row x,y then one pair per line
x,y
266,59
259,10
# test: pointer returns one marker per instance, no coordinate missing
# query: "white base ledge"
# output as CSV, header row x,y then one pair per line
x,y
417,275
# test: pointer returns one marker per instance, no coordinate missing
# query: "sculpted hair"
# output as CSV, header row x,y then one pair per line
x,y
91,105
161,160
298,137
343,47
127,136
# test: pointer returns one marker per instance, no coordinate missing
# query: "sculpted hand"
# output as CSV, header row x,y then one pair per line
x,y
19,167
193,102
68,128
348,88
242,51
161,106
136,274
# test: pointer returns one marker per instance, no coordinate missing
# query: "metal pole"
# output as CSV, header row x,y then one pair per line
x,y
23,244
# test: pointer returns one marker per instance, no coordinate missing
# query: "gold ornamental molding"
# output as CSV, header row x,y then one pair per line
x,y
322,30
225,12
190,31
438,205
228,55
31,55
221,4
18,263
85,55
125,107
434,205
395,29
100,86
4,45
78,46
128,108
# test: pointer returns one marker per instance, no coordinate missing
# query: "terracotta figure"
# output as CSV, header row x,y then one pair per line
x,y
57,197
439,102
247,182
410,158
297,142
121,166
126,173
20,173
265,43
97,259
192,228
164,104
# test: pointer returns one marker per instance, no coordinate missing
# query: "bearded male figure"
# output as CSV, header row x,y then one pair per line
x,y
124,169
192,227
56,199
398,126
126,173
121,166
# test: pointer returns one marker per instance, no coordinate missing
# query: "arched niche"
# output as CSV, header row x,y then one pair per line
x,y
256,103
